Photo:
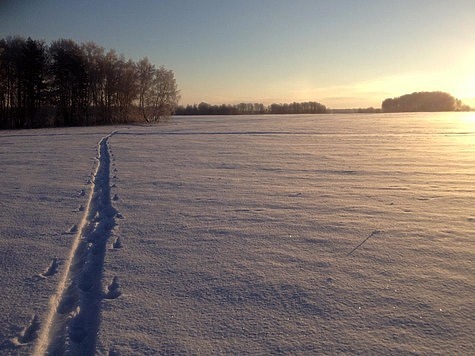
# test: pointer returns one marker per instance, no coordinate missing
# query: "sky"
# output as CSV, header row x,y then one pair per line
x,y
341,53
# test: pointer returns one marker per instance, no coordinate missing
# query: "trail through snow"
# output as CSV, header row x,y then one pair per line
x,y
73,318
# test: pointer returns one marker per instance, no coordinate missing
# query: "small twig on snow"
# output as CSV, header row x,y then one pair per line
x,y
375,232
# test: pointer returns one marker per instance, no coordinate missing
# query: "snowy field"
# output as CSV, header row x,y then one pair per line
x,y
240,235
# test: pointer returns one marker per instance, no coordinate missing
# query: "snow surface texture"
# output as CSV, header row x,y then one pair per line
x,y
285,234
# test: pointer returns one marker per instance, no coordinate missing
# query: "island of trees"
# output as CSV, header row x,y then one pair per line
x,y
71,84
423,101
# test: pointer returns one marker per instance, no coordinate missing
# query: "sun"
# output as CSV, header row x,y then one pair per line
x,y
466,89
462,78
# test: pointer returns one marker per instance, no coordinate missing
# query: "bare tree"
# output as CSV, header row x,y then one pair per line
x,y
95,57
158,93
145,77
70,82
23,70
127,89
165,94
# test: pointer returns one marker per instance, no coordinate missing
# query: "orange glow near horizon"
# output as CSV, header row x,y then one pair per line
x,y
466,93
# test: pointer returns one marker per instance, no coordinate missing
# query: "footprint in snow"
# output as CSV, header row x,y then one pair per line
x,y
73,229
117,243
52,269
114,289
77,333
69,301
29,333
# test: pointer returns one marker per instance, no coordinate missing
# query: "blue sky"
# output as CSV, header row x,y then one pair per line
x,y
340,53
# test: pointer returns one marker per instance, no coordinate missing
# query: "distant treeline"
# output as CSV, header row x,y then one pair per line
x,y
370,110
423,101
70,84
252,109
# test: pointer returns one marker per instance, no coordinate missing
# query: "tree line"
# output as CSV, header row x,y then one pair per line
x,y
252,109
423,101
70,84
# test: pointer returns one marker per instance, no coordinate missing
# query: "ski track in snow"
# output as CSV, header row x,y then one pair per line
x,y
73,318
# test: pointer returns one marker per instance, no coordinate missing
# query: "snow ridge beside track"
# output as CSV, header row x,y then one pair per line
x,y
73,317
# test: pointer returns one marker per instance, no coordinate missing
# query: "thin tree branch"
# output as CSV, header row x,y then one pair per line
x,y
375,232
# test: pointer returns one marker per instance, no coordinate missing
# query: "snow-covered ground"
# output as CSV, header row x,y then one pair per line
x,y
238,235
